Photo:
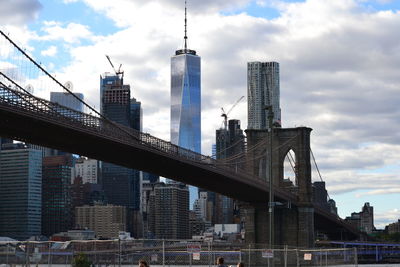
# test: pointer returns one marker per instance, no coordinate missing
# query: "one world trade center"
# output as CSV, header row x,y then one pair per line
x,y
186,101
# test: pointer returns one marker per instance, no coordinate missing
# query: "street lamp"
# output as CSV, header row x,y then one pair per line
x,y
271,191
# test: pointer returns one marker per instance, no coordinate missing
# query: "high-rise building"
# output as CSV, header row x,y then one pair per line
x,y
169,211
262,91
229,142
106,221
87,169
20,191
56,194
186,101
121,185
67,100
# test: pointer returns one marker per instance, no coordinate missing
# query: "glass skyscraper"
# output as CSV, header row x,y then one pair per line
x,y
20,192
186,103
262,90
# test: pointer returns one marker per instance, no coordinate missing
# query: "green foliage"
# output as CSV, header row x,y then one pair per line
x,y
81,260
388,237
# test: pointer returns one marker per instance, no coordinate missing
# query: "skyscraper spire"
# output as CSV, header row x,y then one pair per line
x,y
185,28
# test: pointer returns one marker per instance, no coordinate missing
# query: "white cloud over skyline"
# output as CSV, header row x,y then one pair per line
x,y
339,64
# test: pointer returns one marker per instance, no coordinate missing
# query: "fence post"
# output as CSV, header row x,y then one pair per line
x,y
326,258
355,257
163,253
249,255
297,258
49,258
286,255
320,256
7,254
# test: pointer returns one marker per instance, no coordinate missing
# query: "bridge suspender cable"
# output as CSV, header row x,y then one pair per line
x,y
62,86
316,166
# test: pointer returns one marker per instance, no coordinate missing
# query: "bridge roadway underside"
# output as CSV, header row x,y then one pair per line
x,y
30,129
26,127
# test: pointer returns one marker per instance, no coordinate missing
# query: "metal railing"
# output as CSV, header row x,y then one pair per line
x,y
167,253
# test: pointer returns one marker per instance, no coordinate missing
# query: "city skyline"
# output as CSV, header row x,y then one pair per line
x,y
348,96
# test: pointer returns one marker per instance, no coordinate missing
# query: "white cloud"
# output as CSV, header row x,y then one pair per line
x,y
50,52
72,33
18,12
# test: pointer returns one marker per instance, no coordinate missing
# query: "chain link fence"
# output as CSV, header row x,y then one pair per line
x,y
165,253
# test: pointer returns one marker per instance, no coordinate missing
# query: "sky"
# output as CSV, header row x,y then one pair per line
x,y
339,72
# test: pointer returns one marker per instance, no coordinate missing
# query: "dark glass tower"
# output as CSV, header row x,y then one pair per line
x,y
121,185
186,101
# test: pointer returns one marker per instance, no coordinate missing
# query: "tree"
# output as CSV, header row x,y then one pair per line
x,y
81,260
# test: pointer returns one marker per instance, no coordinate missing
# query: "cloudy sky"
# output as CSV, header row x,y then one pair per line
x,y
339,63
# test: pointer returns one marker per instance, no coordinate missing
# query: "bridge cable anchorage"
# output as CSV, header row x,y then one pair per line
x,y
64,87
316,166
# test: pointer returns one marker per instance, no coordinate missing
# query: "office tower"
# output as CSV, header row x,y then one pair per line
x,y
262,91
121,185
67,100
86,169
106,221
20,191
56,194
169,211
229,143
186,102
118,182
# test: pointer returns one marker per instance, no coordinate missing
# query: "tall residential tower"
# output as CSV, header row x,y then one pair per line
x,y
186,101
262,90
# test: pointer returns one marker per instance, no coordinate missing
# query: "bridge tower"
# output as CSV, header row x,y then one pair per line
x,y
293,222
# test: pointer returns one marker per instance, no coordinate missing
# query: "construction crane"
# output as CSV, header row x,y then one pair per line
x,y
119,72
225,114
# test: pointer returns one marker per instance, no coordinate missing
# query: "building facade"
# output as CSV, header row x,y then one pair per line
x,y
87,169
363,220
20,192
169,211
186,103
106,221
56,194
263,90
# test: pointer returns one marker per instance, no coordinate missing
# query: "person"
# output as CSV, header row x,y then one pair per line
x,y
143,263
220,262
240,264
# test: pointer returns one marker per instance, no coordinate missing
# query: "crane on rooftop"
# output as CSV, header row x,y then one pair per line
x,y
225,114
119,72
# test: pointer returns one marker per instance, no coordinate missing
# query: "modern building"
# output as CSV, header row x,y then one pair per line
x,y
106,221
20,191
169,211
87,169
67,100
121,185
186,102
229,143
56,194
263,90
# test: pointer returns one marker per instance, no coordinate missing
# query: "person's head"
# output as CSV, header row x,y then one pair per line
x,y
240,264
143,263
220,260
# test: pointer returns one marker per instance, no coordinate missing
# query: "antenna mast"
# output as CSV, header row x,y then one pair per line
x,y
185,28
